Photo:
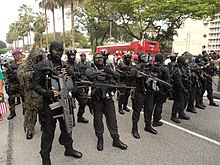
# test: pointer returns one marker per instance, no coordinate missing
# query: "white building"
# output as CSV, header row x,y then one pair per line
x,y
196,36
191,37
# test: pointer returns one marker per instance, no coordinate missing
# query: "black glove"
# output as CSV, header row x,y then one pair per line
x,y
134,72
49,93
108,70
77,74
108,76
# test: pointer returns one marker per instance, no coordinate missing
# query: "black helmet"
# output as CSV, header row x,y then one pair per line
x,y
104,52
127,55
71,52
159,57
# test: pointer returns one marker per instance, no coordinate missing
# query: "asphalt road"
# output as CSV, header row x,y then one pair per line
x,y
193,142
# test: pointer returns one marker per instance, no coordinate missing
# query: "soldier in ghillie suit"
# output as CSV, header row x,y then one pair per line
x,y
32,99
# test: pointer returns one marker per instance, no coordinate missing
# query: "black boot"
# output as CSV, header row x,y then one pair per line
x,y
12,115
29,135
148,128
46,161
157,123
126,109
82,120
175,119
202,104
71,152
120,110
117,143
191,110
100,144
135,131
183,116
212,103
199,106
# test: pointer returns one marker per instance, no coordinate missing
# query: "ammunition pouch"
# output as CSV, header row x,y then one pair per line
x,y
57,109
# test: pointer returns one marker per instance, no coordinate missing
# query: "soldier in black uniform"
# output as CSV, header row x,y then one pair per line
x,y
103,102
143,96
43,87
194,81
201,83
180,94
14,89
162,94
83,64
210,70
79,94
125,78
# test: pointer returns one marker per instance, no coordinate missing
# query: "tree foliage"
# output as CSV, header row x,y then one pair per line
x,y
158,17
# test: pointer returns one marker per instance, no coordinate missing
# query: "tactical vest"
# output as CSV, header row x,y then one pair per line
x,y
11,72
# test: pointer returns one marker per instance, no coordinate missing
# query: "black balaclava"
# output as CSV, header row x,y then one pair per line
x,y
127,58
181,60
159,57
56,51
143,57
173,57
98,60
71,59
105,54
187,56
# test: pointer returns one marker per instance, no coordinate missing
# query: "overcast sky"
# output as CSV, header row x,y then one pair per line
x,y
9,14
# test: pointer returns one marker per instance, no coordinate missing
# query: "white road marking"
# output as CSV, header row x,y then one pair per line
x,y
190,132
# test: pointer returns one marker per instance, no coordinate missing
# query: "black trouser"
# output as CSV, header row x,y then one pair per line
x,y
106,107
179,103
143,100
209,91
49,127
80,96
160,99
192,97
123,98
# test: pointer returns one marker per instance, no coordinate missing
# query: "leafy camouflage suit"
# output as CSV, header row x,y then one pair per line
x,y
32,99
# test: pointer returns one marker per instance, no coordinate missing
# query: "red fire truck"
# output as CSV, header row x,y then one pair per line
x,y
134,47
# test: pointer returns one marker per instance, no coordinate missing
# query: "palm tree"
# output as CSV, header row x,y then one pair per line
x,y
25,19
61,3
42,5
73,5
50,5
40,26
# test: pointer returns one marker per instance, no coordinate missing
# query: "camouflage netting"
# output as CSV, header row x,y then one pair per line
x,y
32,99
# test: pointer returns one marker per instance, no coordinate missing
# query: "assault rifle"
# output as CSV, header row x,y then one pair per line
x,y
206,76
126,73
151,77
64,85
105,86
